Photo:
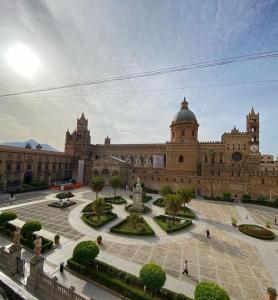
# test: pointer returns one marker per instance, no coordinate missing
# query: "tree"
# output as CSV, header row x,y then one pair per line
x,y
29,227
172,205
211,156
85,252
97,184
115,182
98,207
152,276
134,219
185,195
7,216
166,190
210,291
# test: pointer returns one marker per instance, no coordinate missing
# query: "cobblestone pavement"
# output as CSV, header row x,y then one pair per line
x,y
52,218
263,214
228,258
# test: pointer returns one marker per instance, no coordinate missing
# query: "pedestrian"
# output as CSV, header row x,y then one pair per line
x,y
246,217
208,234
62,267
275,221
185,268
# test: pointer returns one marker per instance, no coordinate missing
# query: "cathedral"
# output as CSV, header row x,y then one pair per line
x,y
232,164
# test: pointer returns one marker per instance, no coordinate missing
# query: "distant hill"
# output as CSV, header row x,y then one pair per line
x,y
32,142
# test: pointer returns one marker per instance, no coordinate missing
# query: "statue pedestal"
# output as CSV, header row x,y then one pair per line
x,y
137,197
36,267
12,260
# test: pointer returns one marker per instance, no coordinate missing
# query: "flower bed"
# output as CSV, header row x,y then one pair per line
x,y
115,200
159,202
93,221
88,208
256,231
166,223
185,212
124,283
217,198
145,209
8,232
125,227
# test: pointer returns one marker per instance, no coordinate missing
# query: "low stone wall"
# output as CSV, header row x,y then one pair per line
x,y
8,258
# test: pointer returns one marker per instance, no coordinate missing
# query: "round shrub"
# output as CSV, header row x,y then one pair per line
x,y
210,291
64,195
152,276
31,226
7,216
256,231
85,252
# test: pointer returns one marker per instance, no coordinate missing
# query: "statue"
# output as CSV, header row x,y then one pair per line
x,y
16,237
138,180
38,245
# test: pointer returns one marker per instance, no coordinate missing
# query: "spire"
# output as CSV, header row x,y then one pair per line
x,y
82,116
252,110
184,104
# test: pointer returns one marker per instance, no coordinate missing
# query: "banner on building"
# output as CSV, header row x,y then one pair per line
x,y
158,161
80,173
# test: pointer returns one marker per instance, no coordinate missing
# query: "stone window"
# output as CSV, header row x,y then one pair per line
x,y
9,166
182,132
232,173
29,167
181,158
166,178
158,178
198,181
46,166
189,181
18,166
218,173
174,133
262,181
181,180
174,179
145,177
228,146
193,132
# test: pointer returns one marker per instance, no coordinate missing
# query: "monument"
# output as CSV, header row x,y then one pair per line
x,y
137,197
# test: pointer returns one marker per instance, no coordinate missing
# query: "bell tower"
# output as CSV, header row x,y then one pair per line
x,y
253,127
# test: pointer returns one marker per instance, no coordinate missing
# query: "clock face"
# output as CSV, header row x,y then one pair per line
x,y
254,148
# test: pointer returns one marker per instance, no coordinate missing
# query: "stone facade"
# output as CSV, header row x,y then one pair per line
x,y
25,165
234,165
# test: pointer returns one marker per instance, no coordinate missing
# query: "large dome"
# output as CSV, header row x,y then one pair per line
x,y
185,114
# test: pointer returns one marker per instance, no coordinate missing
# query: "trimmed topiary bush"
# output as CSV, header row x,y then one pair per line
x,y
29,227
85,252
256,231
64,195
7,216
152,276
210,291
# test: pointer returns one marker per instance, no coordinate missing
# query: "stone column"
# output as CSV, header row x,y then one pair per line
x,y
53,286
71,293
36,267
14,254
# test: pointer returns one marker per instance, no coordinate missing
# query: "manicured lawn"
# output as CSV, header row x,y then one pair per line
x,y
93,220
166,223
125,227
88,208
159,202
186,212
115,200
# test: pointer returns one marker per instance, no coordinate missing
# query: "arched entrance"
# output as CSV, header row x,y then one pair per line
x,y
28,177
106,175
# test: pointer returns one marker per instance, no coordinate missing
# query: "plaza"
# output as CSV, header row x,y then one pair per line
x,y
244,266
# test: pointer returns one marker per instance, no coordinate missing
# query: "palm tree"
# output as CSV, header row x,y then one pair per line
x,y
166,190
97,184
115,182
172,205
185,195
211,155
98,207
134,219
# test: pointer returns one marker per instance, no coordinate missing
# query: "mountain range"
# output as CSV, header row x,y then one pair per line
x,y
32,142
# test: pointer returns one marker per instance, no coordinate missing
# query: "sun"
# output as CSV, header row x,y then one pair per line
x,y
23,60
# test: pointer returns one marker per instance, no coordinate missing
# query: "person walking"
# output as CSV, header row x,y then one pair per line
x,y
61,267
185,268
208,234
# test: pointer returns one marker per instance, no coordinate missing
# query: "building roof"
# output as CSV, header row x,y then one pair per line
x,y
185,114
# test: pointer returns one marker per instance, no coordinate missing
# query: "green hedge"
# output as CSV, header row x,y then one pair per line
x,y
8,231
117,229
217,198
120,281
263,203
110,216
256,231
65,195
115,200
159,202
150,190
175,228
88,208
36,186
210,291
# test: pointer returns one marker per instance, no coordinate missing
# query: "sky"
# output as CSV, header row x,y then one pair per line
x,y
74,41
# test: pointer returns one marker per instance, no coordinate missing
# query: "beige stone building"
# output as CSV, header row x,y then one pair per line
x,y
232,164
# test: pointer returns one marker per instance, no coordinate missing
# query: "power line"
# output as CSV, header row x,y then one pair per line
x,y
206,64
163,90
